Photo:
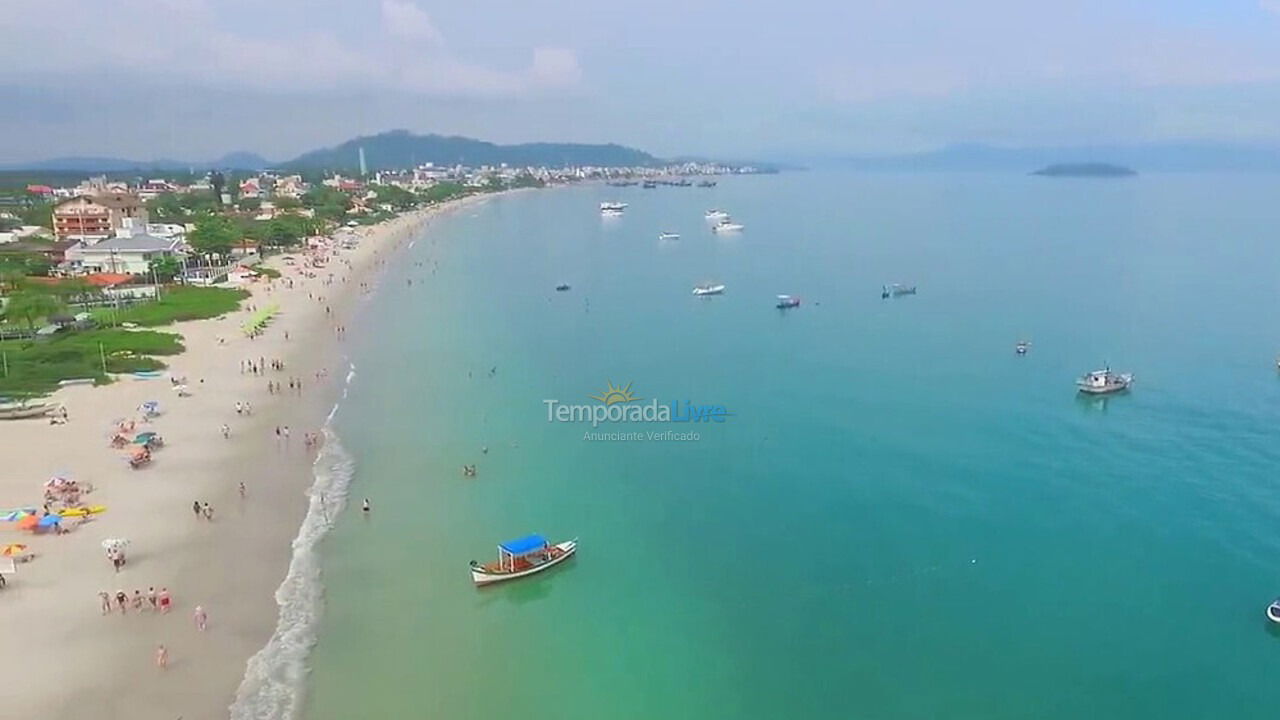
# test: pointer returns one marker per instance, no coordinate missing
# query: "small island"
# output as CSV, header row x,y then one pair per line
x,y
1092,169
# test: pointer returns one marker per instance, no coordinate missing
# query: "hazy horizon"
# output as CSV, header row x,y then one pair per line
x,y
196,79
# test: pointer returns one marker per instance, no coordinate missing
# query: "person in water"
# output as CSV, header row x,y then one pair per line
x,y
364,506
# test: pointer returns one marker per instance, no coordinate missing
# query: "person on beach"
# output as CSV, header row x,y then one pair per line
x,y
165,600
201,619
243,492
151,598
195,508
137,601
105,598
286,433
226,431
365,507
239,408
208,512
162,656
122,601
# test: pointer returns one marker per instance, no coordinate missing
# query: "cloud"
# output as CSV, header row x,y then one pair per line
x,y
199,42
1270,5
404,19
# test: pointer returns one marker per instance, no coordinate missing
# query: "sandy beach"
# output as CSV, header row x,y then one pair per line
x,y
63,656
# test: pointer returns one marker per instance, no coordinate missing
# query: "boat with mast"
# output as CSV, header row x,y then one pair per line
x,y
522,557
1102,382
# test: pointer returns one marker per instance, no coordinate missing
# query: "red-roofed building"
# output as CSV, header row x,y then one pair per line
x,y
41,190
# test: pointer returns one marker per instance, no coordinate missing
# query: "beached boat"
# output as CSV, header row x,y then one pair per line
x,y
726,226
1273,611
21,410
522,557
1101,382
786,301
669,236
709,290
716,215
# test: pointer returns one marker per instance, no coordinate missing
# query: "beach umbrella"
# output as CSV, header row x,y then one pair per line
x,y
115,544
50,520
13,550
143,438
16,515
28,523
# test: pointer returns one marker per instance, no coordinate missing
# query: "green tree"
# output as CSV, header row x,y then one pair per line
x,y
250,204
218,181
165,268
287,203
40,213
214,235
30,305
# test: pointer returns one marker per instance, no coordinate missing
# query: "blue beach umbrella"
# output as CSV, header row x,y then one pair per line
x,y
50,520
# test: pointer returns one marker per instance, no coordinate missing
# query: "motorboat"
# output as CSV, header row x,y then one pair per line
x,y
612,206
1022,347
649,185
709,290
562,287
786,301
716,215
897,290
669,236
522,557
726,225
707,183
1273,611
611,213
23,410
1102,382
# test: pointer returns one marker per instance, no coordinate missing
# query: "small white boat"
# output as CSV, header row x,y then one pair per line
x,y
610,213
709,290
786,302
1101,382
716,215
522,557
1273,611
669,236
726,226
21,410
1022,347
612,206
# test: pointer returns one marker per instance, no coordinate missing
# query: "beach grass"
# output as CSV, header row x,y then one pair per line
x,y
176,304
35,367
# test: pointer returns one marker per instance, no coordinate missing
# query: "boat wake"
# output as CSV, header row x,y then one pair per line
x,y
274,681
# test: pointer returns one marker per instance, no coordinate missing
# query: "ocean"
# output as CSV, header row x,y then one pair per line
x,y
898,517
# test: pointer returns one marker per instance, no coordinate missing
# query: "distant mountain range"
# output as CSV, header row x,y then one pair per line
x,y
230,161
1153,157
403,149
384,151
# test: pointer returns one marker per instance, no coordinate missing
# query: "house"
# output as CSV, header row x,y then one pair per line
x,y
92,218
43,191
251,188
130,255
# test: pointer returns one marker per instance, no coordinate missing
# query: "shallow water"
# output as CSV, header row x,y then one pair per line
x,y
901,519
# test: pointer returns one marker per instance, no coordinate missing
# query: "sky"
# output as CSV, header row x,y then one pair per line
x,y
194,79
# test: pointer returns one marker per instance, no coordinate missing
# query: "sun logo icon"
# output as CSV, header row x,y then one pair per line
x,y
613,395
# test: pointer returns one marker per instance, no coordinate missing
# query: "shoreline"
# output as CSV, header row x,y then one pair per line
x,y
232,566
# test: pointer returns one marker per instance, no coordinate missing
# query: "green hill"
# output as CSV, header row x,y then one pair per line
x,y
402,149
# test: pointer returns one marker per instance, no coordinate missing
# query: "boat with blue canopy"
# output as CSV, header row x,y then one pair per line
x,y
522,557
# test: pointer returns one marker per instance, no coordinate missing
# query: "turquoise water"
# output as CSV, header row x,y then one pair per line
x,y
902,519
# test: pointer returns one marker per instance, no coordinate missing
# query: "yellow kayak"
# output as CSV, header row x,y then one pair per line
x,y
80,512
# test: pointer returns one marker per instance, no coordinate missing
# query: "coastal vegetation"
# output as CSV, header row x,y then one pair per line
x,y
176,304
35,367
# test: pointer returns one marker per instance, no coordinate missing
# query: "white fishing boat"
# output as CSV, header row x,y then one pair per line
x,y
522,557
1101,382
709,290
22,410
610,213
786,302
726,226
669,236
612,206
716,215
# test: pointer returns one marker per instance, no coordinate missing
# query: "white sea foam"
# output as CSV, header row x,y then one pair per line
x,y
274,682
